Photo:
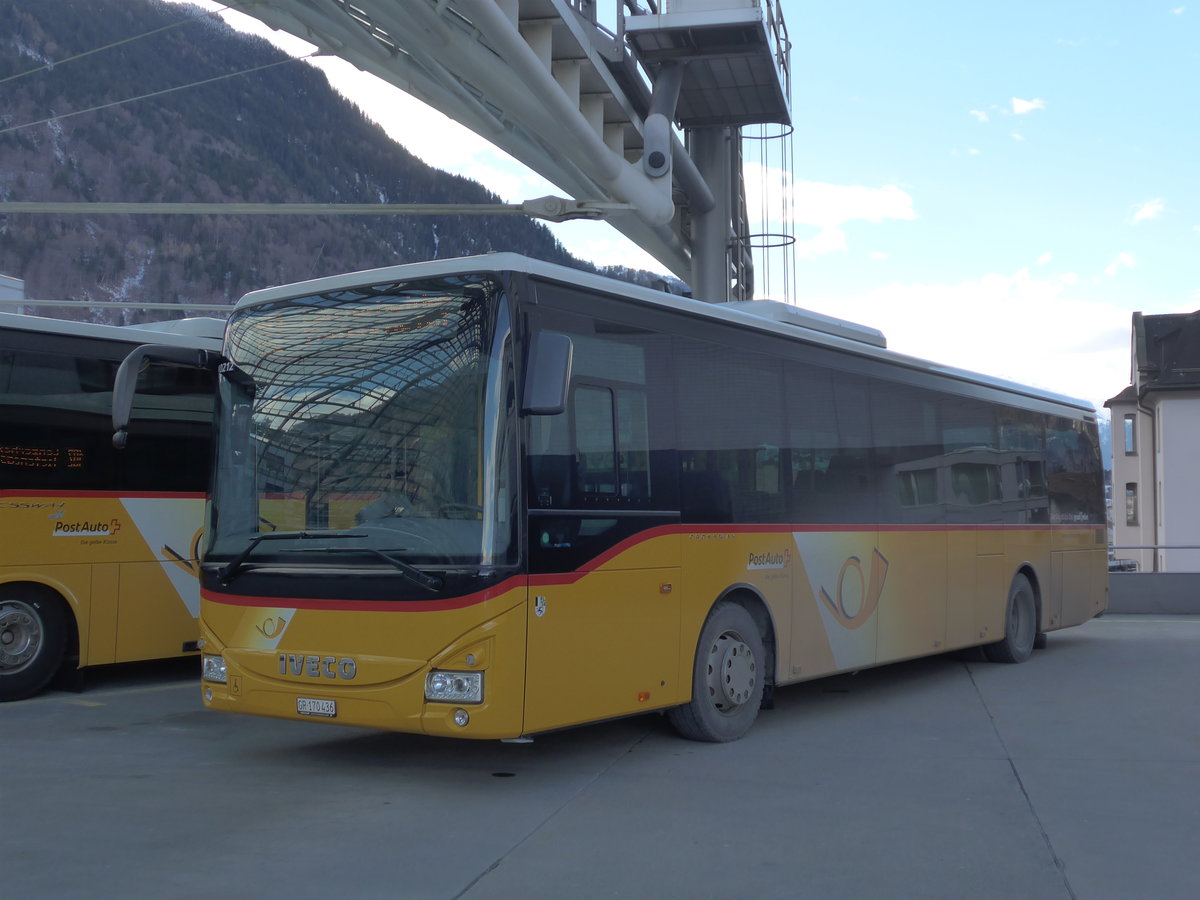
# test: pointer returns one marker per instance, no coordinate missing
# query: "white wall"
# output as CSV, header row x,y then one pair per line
x,y
1136,469
1178,463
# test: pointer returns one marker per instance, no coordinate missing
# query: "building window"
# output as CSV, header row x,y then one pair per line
x,y
1130,436
1131,504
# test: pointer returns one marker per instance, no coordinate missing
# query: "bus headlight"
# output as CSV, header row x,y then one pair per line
x,y
454,687
212,668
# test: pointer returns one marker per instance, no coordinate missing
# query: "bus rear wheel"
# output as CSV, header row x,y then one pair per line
x,y
727,679
1020,625
33,638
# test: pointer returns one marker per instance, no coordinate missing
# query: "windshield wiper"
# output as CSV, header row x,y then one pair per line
x,y
411,572
415,575
227,572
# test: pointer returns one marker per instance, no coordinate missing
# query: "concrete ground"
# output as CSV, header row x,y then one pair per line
x,y
1075,775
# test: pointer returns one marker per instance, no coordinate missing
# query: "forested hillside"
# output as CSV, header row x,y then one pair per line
x,y
278,135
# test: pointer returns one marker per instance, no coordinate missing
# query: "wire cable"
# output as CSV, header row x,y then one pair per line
x,y
161,93
166,208
123,41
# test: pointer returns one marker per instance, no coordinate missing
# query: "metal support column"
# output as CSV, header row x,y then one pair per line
x,y
711,148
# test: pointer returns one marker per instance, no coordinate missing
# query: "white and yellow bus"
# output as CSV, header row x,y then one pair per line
x,y
491,497
98,550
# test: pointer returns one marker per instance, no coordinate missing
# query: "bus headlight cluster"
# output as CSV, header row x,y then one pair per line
x,y
454,687
212,668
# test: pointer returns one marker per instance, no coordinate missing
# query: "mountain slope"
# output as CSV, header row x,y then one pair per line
x,y
277,135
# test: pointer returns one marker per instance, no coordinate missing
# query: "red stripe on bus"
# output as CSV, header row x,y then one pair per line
x,y
568,578
109,495
462,602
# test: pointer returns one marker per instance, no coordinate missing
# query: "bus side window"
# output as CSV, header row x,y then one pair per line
x,y
56,430
173,408
612,444
595,439
553,475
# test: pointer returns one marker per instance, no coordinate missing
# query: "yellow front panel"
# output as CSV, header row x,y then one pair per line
x,y
276,654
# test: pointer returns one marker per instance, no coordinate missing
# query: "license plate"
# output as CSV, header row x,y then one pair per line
x,y
311,706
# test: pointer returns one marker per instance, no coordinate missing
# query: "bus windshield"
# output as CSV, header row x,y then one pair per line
x,y
368,427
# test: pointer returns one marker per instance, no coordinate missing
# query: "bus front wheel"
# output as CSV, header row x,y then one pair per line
x,y
33,638
1020,625
727,680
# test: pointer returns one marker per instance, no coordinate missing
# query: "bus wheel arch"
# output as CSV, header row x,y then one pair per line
x,y
36,628
1022,620
746,596
731,670
1026,569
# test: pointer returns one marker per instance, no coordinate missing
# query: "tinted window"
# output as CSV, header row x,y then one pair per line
x,y
731,434
56,413
613,448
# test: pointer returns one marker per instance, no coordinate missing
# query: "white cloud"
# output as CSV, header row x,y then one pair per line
x,y
1080,347
979,115
827,240
1044,258
1017,136
1120,261
877,255
1178,11
830,205
1148,210
821,206
1021,107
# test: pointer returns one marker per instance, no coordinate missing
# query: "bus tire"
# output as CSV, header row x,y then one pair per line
x,y
33,639
727,678
1020,625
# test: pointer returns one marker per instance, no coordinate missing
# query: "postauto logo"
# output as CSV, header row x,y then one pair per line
x,y
87,529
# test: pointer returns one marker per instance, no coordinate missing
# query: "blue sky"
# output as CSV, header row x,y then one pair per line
x,y
996,187
1047,152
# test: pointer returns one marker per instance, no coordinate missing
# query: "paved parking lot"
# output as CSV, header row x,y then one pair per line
x,y
1075,775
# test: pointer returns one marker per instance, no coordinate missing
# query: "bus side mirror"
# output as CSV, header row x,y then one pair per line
x,y
548,375
125,385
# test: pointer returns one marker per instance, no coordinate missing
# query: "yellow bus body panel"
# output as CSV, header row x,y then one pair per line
x,y
619,636
126,566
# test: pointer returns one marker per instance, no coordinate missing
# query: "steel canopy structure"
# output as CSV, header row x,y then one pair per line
x,y
642,122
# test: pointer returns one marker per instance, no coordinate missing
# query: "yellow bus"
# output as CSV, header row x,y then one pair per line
x,y
98,550
491,497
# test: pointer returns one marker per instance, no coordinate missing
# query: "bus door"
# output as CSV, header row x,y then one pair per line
x,y
603,621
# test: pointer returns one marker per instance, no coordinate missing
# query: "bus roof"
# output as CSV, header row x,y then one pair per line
x,y
761,315
201,332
